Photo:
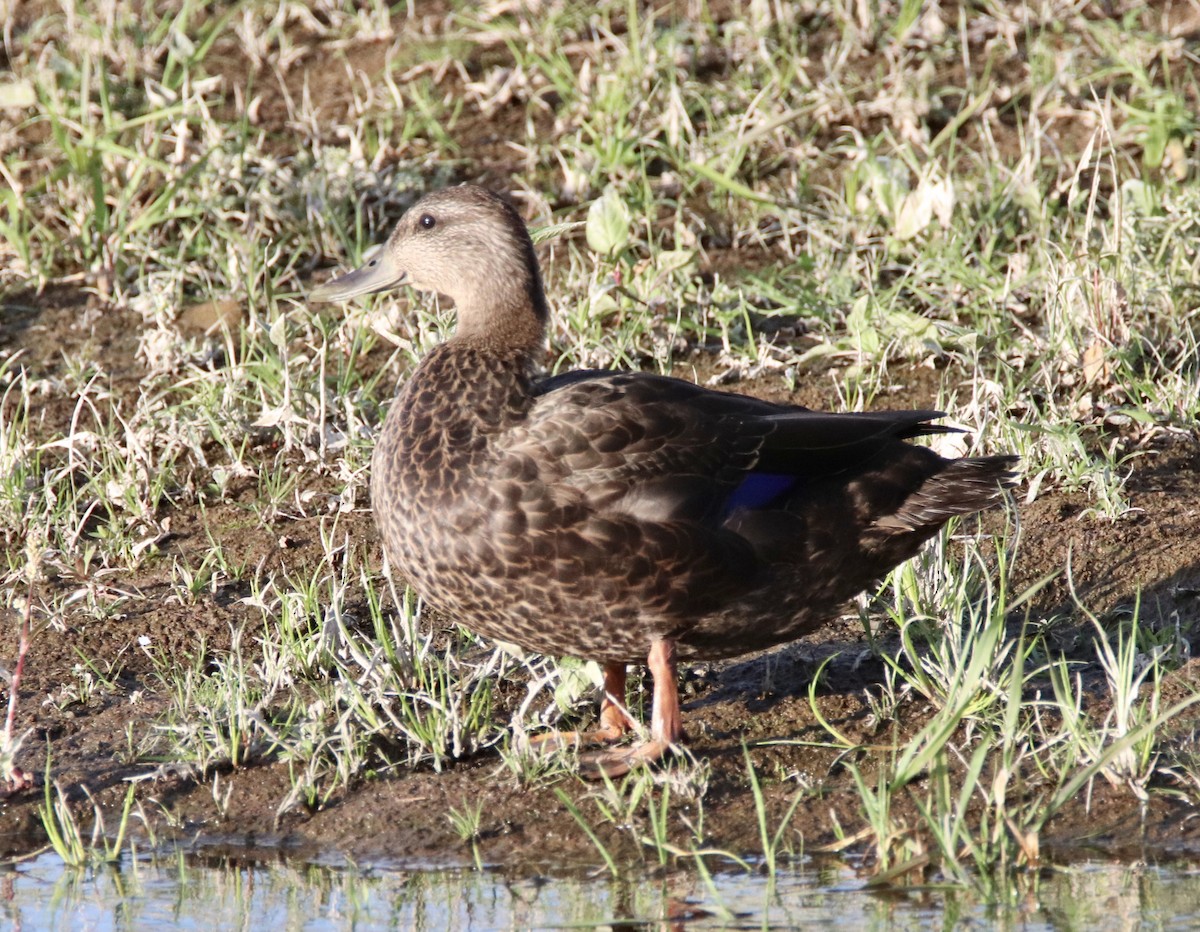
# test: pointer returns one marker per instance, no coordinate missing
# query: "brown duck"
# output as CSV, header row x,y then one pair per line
x,y
622,516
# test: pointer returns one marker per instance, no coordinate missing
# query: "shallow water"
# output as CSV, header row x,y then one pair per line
x,y
187,892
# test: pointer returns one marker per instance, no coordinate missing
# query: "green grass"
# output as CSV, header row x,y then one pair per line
x,y
1011,741
77,848
755,195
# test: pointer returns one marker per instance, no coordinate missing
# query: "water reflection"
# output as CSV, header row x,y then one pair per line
x,y
186,892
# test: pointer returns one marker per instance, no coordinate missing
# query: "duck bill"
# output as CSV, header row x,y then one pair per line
x,y
378,274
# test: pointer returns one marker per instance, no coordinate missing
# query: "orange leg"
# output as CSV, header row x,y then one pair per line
x,y
666,721
614,717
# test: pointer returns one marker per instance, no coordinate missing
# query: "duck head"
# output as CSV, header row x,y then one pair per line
x,y
470,245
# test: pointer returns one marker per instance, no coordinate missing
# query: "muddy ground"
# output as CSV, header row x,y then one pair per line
x,y
397,816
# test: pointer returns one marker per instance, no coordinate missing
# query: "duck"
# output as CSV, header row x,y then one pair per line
x,y
625,517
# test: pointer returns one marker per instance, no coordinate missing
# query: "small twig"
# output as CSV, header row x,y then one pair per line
x,y
17,778
15,685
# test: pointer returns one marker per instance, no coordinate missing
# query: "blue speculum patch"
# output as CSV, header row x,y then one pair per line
x,y
758,490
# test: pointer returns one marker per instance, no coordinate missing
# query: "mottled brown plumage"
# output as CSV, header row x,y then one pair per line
x,y
625,517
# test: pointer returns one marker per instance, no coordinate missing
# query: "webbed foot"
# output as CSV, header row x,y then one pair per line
x,y
616,762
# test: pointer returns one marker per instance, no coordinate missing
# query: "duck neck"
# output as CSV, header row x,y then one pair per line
x,y
513,327
507,310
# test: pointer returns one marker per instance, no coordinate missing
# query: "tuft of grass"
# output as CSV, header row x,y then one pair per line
x,y
69,841
467,822
997,759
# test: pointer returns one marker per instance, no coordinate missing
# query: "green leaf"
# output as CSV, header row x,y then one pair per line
x,y
278,332
576,680
555,230
608,223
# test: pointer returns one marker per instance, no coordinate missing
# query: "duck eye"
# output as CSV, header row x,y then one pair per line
x,y
427,221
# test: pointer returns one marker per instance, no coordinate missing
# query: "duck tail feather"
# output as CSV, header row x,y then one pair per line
x,y
964,487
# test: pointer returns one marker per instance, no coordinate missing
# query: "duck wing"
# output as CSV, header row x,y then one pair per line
x,y
661,448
